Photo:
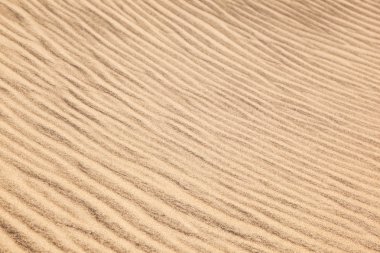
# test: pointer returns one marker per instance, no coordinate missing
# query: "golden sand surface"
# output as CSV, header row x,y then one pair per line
x,y
190,126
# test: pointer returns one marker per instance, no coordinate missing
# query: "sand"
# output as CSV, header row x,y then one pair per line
x,y
189,126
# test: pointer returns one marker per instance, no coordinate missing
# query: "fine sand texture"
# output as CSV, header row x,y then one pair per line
x,y
190,126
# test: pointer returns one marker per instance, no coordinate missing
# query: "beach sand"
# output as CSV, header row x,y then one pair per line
x,y
189,126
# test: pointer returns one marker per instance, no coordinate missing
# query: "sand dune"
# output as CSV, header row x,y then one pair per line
x,y
189,126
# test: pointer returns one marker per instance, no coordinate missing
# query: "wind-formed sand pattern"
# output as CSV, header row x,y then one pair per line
x,y
190,126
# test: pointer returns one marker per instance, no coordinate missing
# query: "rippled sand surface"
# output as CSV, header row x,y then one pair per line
x,y
190,126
